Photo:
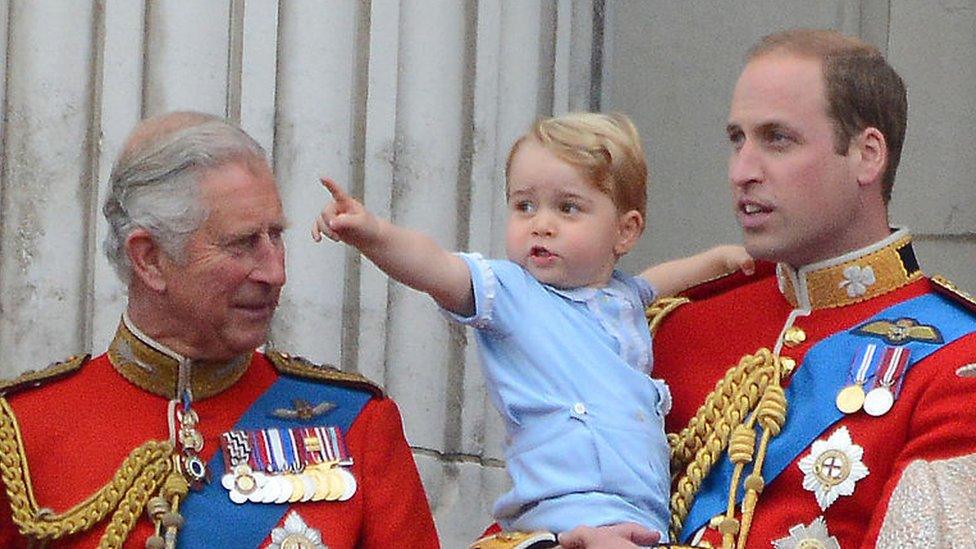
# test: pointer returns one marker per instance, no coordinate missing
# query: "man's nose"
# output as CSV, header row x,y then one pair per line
x,y
270,262
745,166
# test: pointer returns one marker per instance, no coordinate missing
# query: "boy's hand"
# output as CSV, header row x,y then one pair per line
x,y
345,219
623,536
735,258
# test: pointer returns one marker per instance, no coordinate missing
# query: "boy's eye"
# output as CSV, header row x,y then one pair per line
x,y
569,207
524,206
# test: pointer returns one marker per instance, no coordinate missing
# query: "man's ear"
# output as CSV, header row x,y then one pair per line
x,y
146,258
872,156
630,225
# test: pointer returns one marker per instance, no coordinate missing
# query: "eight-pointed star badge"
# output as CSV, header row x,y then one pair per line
x,y
832,467
295,534
808,536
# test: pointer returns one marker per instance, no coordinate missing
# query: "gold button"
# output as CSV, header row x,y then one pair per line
x,y
788,364
794,336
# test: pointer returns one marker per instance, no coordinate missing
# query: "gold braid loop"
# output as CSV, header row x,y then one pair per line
x,y
134,476
743,444
686,443
134,502
661,308
772,409
708,433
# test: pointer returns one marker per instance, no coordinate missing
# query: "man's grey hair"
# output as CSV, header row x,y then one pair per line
x,y
154,183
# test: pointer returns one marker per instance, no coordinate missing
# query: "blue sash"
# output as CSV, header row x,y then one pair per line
x,y
212,519
811,410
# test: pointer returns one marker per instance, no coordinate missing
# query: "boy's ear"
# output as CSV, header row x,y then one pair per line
x,y
630,225
146,258
872,155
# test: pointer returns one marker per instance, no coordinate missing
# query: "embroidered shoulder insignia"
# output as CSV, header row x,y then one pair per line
x,y
900,331
36,378
302,367
946,288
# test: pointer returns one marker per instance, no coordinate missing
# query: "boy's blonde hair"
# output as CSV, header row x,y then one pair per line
x,y
605,147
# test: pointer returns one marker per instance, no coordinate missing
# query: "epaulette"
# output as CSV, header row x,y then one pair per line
x,y
729,282
302,367
944,287
36,378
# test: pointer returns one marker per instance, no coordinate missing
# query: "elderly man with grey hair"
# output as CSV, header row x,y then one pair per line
x,y
181,433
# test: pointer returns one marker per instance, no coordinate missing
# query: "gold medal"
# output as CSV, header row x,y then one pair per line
x,y
336,485
297,488
321,483
850,399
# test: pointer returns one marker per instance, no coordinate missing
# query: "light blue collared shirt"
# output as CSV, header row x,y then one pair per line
x,y
568,372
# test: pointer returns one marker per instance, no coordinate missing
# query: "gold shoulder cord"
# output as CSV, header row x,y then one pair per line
x,y
144,472
751,393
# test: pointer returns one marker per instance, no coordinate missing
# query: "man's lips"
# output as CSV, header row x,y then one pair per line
x,y
749,206
262,309
752,213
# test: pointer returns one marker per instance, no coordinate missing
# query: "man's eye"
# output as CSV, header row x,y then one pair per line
x,y
276,235
737,139
778,138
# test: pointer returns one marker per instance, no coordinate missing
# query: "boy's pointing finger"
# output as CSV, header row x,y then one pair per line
x,y
335,190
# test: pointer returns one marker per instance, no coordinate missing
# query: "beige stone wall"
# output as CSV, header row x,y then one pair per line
x,y
413,104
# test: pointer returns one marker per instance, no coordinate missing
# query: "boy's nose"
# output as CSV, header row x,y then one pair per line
x,y
542,225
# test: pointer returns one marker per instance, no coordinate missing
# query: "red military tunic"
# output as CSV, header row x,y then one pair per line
x,y
78,430
932,418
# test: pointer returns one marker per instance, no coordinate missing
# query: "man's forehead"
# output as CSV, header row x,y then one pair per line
x,y
238,194
775,87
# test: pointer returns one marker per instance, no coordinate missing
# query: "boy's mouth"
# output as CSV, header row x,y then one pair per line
x,y
540,252
541,257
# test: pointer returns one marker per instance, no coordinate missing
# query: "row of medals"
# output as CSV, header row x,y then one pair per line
x,y
317,482
879,400
875,402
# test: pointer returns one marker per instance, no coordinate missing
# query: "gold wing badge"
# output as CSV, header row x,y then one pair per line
x,y
303,410
900,331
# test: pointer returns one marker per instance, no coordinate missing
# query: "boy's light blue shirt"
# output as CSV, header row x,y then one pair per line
x,y
568,371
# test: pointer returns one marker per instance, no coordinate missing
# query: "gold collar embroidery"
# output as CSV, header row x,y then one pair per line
x,y
851,278
152,367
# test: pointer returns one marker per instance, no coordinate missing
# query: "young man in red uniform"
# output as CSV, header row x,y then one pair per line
x,y
837,369
181,433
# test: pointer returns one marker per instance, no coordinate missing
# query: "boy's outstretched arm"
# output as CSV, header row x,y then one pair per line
x,y
671,277
410,257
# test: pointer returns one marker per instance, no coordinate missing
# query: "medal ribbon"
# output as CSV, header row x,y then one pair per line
x,y
808,415
895,360
866,366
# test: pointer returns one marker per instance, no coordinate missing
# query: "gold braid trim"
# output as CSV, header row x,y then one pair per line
x,y
126,494
302,367
661,308
134,502
726,410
